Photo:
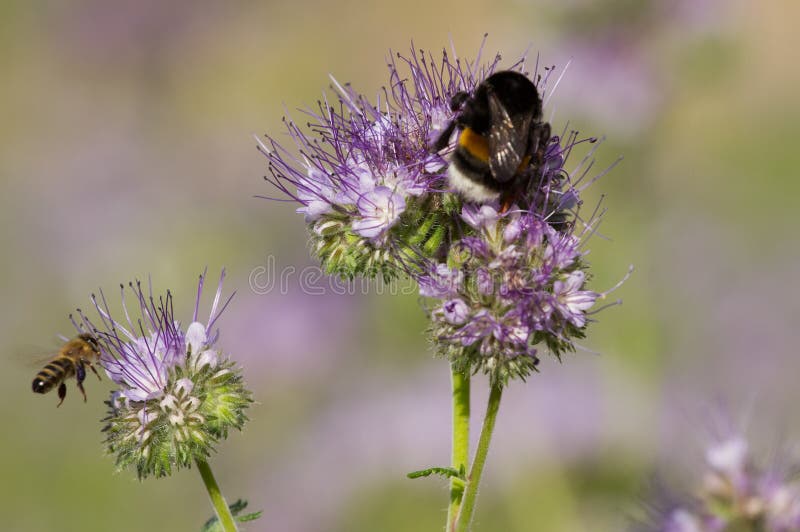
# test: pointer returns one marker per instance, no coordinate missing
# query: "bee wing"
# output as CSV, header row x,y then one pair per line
x,y
36,356
508,140
36,360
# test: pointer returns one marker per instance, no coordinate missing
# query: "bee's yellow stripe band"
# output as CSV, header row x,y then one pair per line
x,y
475,144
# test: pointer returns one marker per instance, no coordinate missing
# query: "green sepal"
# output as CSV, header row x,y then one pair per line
x,y
346,255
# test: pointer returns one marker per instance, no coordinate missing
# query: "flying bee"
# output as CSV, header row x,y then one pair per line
x,y
501,134
72,359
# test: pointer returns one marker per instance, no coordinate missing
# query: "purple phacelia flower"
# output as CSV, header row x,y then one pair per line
x,y
440,282
379,210
364,173
455,311
480,216
177,395
571,301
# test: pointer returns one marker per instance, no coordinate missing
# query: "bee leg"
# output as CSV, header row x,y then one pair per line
x,y
444,137
505,203
91,367
80,387
543,139
457,101
509,197
62,393
80,376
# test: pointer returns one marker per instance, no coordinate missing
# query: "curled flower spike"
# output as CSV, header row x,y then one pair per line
x,y
734,493
178,395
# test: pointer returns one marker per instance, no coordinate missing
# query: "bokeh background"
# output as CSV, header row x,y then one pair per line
x,y
126,150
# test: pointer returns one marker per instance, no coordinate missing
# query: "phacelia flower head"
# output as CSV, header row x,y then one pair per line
x,y
178,394
735,493
364,175
516,281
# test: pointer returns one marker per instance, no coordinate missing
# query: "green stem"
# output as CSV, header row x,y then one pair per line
x,y
471,492
220,506
460,455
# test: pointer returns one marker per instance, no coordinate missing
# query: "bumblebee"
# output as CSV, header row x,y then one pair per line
x,y
72,359
500,134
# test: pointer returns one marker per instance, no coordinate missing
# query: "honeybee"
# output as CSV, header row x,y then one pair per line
x,y
501,133
73,358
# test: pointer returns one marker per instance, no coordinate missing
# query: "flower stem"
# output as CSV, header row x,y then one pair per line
x,y
220,506
471,492
460,455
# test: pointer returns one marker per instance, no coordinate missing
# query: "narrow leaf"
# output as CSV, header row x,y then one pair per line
x,y
445,472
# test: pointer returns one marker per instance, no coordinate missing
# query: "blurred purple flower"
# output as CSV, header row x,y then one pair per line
x,y
131,33
734,493
282,348
611,73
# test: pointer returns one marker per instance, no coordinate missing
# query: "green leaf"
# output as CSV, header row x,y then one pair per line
x,y
446,472
249,517
213,524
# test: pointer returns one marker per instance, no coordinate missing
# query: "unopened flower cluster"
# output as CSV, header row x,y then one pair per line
x,y
178,395
735,494
501,281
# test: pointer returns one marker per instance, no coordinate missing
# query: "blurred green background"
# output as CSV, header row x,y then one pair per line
x,y
126,149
